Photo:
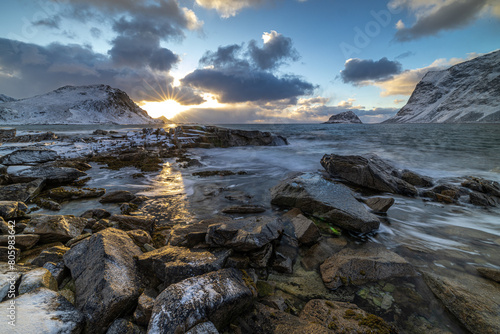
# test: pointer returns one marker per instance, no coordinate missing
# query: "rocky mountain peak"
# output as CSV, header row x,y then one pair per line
x,y
344,117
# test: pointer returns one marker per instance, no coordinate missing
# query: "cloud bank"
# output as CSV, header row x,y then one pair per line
x,y
358,70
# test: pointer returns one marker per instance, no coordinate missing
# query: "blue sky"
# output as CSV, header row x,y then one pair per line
x,y
209,58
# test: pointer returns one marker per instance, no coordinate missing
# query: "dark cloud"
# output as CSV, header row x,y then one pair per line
x,y
237,74
405,55
48,22
95,32
29,69
276,50
454,15
358,70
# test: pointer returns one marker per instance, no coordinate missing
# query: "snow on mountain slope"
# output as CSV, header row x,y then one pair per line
x,y
344,117
5,98
76,105
464,93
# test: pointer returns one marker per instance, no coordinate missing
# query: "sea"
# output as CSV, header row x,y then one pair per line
x,y
446,239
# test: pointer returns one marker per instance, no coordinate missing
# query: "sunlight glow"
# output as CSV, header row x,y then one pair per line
x,y
167,108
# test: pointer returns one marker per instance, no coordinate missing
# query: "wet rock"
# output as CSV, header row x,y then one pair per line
x,y
133,222
332,202
343,317
12,209
475,302
483,186
367,171
306,231
379,204
318,253
106,277
37,278
144,308
72,193
359,266
259,258
23,241
54,176
491,273
29,155
128,208
244,209
51,254
96,214
172,264
124,326
6,134
118,196
416,179
276,302
47,204
58,271
264,319
481,199
195,233
140,237
6,254
100,132
53,228
44,311
206,327
218,297
285,254
21,192
245,234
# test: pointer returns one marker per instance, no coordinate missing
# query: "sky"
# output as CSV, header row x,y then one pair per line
x,y
243,61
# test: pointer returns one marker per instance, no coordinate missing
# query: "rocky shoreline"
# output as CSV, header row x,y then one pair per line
x,y
302,267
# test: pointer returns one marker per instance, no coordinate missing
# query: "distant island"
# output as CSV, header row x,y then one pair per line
x,y
346,117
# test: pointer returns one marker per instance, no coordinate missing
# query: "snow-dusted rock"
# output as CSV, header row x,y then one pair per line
x,y
53,176
76,105
346,117
106,276
466,92
5,98
217,296
37,278
43,311
29,155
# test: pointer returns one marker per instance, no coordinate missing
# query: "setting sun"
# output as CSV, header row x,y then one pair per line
x,y
168,108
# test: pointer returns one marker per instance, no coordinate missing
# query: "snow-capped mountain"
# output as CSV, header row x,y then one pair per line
x,y
464,93
76,105
5,98
344,117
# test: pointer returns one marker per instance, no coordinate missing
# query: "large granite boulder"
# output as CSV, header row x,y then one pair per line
x,y
12,209
106,277
332,202
52,228
21,192
29,155
370,263
37,278
43,311
53,176
218,296
172,264
369,172
245,234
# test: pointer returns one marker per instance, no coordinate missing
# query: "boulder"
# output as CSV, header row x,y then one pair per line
x,y
319,252
306,231
106,277
12,209
47,204
369,172
4,226
58,271
285,254
206,327
7,254
343,317
245,234
244,209
52,254
43,311
133,222
218,297
117,196
416,179
195,233
96,214
474,302
481,199
23,241
37,278
124,326
54,176
7,133
260,258
71,193
370,263
144,308
140,237
491,273
21,192
332,202
379,204
29,155
53,228
172,264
